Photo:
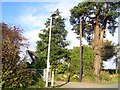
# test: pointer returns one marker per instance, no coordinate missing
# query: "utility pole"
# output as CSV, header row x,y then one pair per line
x,y
80,77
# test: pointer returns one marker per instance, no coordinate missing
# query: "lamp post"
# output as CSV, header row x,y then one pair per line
x,y
48,56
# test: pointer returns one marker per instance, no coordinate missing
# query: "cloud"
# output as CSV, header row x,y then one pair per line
x,y
40,1
32,38
109,64
29,18
114,38
64,7
33,19
72,38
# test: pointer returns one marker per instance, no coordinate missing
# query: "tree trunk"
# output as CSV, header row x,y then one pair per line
x,y
97,44
97,66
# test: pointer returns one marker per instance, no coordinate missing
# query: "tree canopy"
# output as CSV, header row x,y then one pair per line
x,y
109,50
97,17
14,72
105,12
87,59
58,41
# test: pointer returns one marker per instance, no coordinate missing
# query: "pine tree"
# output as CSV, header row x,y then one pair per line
x,y
96,17
58,42
109,50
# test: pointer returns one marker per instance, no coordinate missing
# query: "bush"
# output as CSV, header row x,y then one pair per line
x,y
75,77
39,84
62,68
61,77
88,76
105,76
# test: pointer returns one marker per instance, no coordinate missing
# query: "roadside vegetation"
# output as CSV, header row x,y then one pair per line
x,y
64,63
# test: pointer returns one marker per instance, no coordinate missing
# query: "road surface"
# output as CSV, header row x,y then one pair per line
x,y
84,85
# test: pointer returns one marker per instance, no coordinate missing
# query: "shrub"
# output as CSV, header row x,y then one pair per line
x,y
39,84
105,76
61,77
88,76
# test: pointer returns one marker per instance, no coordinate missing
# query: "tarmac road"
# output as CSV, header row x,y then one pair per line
x,y
84,85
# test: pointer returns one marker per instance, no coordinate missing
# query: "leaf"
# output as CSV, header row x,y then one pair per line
x,y
21,85
1,83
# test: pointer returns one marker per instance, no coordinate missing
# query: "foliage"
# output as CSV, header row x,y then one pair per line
x,y
108,50
89,12
62,68
87,59
39,84
96,17
75,59
105,76
71,67
14,72
58,42
74,77
61,77
37,65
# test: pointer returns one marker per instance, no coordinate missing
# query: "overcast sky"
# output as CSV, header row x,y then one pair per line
x,y
31,16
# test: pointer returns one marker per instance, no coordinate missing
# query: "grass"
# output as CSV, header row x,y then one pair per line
x,y
105,80
114,79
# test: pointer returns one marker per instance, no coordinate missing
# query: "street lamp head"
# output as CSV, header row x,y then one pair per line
x,y
55,13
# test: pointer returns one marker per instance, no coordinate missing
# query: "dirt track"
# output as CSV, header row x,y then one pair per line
x,y
84,85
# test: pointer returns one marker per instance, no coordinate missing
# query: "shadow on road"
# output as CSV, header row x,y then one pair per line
x,y
64,83
61,84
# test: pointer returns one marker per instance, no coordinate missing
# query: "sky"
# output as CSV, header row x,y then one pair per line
x,y
31,16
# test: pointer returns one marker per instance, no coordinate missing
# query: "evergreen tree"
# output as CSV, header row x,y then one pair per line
x,y
96,17
58,42
109,50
